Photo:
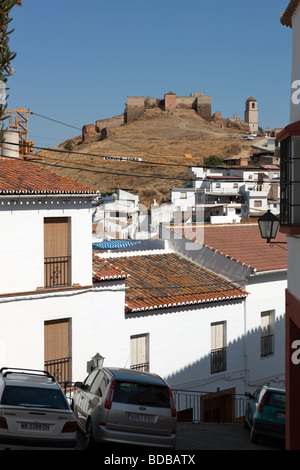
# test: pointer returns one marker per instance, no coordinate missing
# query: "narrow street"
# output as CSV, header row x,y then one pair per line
x,y
211,436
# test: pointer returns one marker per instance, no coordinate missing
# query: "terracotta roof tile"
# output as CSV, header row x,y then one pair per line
x,y
105,271
286,16
243,243
21,177
168,280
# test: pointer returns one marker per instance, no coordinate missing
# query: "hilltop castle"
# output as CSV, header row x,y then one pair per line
x,y
136,105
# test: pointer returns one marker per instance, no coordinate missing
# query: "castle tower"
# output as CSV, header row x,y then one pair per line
x,y
251,114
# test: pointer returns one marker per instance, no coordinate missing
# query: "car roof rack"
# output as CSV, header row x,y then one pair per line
x,y
17,370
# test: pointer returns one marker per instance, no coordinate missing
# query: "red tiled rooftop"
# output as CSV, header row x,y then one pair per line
x,y
21,177
105,271
168,280
286,16
243,243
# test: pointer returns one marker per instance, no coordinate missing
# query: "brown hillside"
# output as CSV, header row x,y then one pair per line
x,y
182,138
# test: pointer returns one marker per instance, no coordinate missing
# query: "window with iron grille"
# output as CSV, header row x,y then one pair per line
x,y
290,181
267,333
218,347
139,352
57,248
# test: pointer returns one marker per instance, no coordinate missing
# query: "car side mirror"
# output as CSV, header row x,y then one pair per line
x,y
78,384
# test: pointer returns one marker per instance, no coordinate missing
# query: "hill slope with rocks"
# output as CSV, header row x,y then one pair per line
x,y
180,138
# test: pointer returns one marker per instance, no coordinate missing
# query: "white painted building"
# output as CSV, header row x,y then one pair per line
x,y
182,316
117,216
237,253
289,139
240,191
47,296
178,315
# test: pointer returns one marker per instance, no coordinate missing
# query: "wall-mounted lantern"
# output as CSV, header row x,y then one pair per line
x,y
98,360
268,225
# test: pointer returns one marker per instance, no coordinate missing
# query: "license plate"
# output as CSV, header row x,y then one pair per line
x,y
281,415
35,426
140,418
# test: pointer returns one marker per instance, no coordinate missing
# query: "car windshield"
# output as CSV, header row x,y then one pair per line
x,y
34,397
276,399
135,393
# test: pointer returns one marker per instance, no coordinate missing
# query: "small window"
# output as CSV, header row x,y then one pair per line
x,y
267,323
218,347
183,195
139,352
257,203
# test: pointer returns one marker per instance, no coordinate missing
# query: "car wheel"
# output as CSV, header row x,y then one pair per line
x,y
89,439
253,435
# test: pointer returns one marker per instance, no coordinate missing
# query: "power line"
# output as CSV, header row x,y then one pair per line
x,y
110,172
55,120
129,161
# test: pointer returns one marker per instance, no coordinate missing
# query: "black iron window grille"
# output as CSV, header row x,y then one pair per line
x,y
267,345
218,360
57,271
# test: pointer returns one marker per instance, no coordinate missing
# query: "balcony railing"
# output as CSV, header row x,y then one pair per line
x,y
57,271
60,368
142,366
218,360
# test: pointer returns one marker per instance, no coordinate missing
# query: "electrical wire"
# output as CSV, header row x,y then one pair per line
x,y
187,179
55,120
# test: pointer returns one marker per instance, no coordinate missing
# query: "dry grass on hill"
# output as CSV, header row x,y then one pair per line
x,y
181,138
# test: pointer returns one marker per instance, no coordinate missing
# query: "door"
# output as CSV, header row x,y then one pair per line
x,y
57,345
57,252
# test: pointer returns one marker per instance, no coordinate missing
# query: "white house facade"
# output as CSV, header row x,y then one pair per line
x,y
46,270
237,253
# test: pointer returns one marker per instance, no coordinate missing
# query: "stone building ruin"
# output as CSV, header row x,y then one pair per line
x,y
136,105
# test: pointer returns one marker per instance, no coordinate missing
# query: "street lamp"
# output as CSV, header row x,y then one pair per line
x,y
98,360
268,225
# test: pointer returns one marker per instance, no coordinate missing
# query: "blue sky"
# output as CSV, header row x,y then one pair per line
x,y
78,61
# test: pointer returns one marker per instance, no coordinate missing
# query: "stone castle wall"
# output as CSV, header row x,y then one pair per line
x,y
201,103
136,106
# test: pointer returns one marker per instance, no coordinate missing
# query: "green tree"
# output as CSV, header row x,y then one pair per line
x,y
213,161
6,55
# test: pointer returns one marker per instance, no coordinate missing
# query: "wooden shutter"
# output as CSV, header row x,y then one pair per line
x,y
57,348
57,244
218,335
56,236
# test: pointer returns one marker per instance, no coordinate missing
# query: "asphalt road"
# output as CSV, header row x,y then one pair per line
x,y
210,436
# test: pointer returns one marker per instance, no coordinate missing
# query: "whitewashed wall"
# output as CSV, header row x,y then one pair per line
x,y
22,240
179,340
93,314
266,292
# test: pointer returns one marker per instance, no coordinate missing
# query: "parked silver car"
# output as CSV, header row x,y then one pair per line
x,y
34,411
125,406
